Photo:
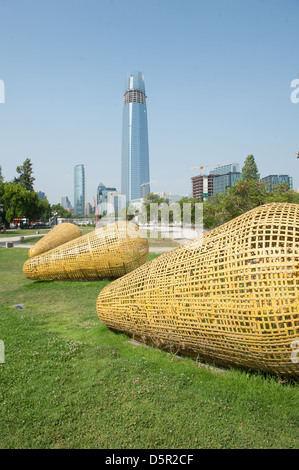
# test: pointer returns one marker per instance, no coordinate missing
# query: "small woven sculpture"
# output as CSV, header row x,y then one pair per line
x,y
107,252
59,235
230,297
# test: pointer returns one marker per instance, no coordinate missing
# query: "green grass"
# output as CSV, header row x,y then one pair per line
x,y
31,240
21,232
70,382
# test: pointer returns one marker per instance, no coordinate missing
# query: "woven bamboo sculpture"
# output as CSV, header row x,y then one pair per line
x,y
230,297
105,253
59,235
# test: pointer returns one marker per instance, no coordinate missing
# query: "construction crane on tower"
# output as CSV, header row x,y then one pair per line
x,y
144,184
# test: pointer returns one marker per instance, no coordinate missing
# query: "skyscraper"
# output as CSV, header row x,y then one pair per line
x,y
135,153
79,189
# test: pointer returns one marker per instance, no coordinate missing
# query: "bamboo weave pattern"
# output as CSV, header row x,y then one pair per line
x,y
59,235
229,297
107,252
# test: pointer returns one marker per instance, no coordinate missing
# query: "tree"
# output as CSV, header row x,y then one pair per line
x,y
26,177
249,170
44,209
242,197
17,201
157,202
60,211
2,210
1,175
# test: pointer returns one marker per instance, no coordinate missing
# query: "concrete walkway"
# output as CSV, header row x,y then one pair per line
x,y
17,243
17,240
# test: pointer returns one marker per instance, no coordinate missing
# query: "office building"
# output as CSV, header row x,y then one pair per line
x,y
202,186
218,180
226,176
41,195
66,203
79,189
100,190
112,202
89,209
274,180
225,169
135,150
221,183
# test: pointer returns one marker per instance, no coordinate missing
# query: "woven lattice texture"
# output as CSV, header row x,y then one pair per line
x,y
105,253
59,235
230,297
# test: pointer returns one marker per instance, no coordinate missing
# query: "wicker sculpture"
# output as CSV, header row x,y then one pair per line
x,y
230,297
59,235
107,252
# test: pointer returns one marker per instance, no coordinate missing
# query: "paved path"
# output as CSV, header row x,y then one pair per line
x,y
17,244
16,240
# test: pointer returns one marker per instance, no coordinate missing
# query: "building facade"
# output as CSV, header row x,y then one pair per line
x,y
218,181
66,203
135,149
221,183
226,168
100,190
79,189
274,180
202,186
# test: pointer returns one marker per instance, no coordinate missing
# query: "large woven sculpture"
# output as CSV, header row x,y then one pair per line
x,y
230,297
107,252
59,235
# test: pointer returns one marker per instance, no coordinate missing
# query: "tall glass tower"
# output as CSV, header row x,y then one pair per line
x,y
79,189
135,154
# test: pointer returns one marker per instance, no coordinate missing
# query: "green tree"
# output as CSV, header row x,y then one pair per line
x,y
152,198
188,207
240,198
17,201
249,170
44,209
2,209
60,211
26,177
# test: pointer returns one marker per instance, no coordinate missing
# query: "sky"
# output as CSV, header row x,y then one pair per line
x,y
218,77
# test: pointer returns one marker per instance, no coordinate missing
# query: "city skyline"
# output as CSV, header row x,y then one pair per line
x,y
222,77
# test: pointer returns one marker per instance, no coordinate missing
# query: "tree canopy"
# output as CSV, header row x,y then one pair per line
x,y
18,199
26,177
242,197
249,170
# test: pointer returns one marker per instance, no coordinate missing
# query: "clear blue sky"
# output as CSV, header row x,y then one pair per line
x,y
217,76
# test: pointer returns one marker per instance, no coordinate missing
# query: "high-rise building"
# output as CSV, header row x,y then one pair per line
x,y
79,189
100,190
202,186
218,181
227,175
135,151
66,203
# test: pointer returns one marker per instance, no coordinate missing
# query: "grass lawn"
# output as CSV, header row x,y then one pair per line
x,y
21,232
70,382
